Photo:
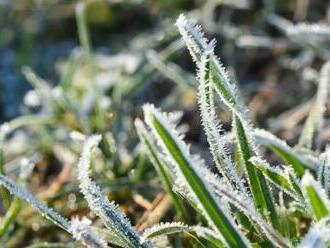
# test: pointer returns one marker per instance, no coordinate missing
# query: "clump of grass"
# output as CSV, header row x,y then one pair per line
x,y
235,208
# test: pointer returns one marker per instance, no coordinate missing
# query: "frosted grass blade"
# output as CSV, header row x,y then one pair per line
x,y
323,172
213,128
190,171
199,47
315,196
43,209
280,147
318,236
279,177
160,166
178,227
107,211
314,120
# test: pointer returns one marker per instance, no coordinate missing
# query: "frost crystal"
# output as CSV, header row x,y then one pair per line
x,y
82,231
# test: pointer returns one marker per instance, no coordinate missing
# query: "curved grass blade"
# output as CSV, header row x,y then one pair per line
x,y
160,166
245,206
43,209
213,128
190,171
279,177
315,196
261,192
280,147
178,227
199,47
108,212
314,120
323,172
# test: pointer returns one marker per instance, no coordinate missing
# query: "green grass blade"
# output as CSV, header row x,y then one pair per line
x,y
314,120
323,172
43,209
213,128
160,166
177,227
246,207
315,196
279,177
285,152
192,175
259,188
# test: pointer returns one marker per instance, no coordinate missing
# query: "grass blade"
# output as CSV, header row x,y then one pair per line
x,y
285,152
315,196
108,212
160,166
213,128
314,120
191,173
177,227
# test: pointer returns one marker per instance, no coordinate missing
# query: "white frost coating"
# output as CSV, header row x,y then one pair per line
x,y
82,231
197,165
287,173
318,236
165,229
246,206
311,30
194,38
308,180
314,121
323,173
43,209
267,138
213,127
178,227
99,204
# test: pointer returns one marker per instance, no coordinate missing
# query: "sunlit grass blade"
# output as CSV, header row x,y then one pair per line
x,y
323,172
43,209
261,191
279,177
177,227
160,166
190,171
240,201
199,47
285,152
213,128
107,211
314,120
315,196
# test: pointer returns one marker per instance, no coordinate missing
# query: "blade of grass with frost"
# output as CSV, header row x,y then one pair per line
x,y
108,212
199,46
178,227
246,207
192,176
261,191
279,177
323,172
315,196
44,210
318,235
314,120
213,128
280,147
160,166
